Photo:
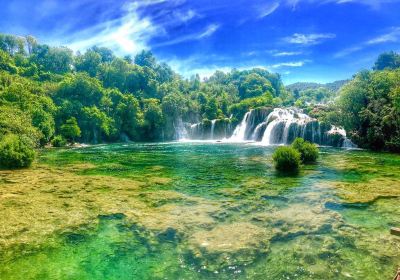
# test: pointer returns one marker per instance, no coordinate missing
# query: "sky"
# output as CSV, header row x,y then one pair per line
x,y
303,40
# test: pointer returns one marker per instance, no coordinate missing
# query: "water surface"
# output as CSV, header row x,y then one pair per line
x,y
200,211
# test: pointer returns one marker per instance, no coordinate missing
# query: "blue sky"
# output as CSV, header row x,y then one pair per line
x,y
303,40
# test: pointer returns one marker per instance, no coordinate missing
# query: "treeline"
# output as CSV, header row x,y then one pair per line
x,y
51,95
368,107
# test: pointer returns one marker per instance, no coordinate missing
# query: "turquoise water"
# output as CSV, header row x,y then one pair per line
x,y
231,217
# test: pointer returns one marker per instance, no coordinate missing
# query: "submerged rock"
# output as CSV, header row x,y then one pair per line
x,y
229,245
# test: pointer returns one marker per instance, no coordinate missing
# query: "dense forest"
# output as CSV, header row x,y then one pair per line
x,y
49,95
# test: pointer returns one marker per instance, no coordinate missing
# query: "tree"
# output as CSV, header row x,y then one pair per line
x,y
211,109
146,58
16,151
70,130
153,119
105,53
369,109
89,62
387,60
254,85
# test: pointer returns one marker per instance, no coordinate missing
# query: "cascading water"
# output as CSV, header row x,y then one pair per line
x,y
284,125
271,127
180,130
347,143
240,130
212,129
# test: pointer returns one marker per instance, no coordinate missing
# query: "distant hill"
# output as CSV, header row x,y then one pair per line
x,y
334,86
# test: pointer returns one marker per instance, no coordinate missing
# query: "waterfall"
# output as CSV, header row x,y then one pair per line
x,y
180,130
212,129
240,130
271,127
347,143
284,125
217,129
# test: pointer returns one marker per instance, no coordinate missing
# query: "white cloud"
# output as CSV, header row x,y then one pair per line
x,y
278,54
376,4
208,31
347,51
290,64
309,39
132,32
128,34
267,9
392,36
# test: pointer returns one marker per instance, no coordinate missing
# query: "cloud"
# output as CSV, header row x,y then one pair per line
x,y
392,36
207,32
128,34
309,39
137,25
290,64
268,9
375,4
279,54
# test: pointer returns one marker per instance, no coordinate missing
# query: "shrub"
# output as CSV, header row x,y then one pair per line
x,y
286,159
58,141
16,151
308,151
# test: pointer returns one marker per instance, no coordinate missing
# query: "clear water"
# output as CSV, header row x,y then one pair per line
x,y
239,219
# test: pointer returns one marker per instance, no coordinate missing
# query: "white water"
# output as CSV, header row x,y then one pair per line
x,y
287,118
212,129
240,130
347,143
180,130
281,126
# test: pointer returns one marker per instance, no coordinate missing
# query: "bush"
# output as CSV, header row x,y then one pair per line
x,y
58,141
16,151
308,151
286,159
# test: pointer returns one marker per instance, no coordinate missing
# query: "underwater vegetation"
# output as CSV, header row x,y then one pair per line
x,y
155,211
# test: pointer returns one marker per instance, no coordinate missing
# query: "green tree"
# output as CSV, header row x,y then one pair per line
x,y
89,62
70,130
153,119
387,60
146,58
16,151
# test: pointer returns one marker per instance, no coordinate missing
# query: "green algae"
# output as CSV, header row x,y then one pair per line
x,y
199,211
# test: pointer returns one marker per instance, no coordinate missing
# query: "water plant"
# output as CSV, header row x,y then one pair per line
x,y
308,151
287,159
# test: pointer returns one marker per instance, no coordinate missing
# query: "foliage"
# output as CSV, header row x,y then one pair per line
x,y
70,130
96,96
387,60
308,151
16,151
370,111
286,159
58,141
